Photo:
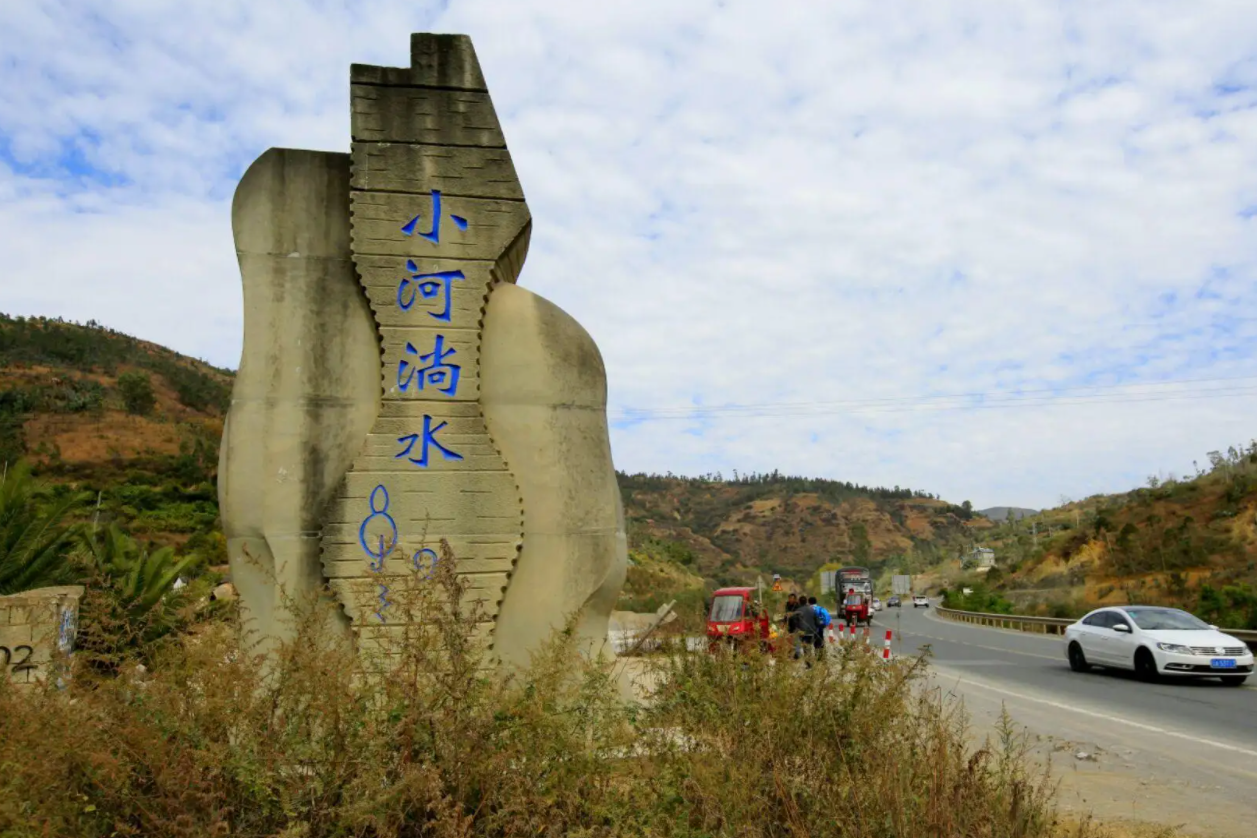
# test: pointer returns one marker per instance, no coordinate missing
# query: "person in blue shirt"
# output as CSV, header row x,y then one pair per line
x,y
822,617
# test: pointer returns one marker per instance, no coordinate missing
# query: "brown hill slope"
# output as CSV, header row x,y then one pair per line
x,y
1190,543
739,528
135,422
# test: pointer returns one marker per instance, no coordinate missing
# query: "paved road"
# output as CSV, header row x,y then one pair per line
x,y
1181,752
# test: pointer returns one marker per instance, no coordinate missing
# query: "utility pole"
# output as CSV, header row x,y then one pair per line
x,y
1034,530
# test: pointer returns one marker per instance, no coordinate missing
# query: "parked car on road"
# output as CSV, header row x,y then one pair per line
x,y
893,602
919,600
1155,642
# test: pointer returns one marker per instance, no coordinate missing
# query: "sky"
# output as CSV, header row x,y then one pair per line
x,y
1003,252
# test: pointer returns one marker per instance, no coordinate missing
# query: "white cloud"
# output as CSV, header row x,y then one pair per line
x,y
817,202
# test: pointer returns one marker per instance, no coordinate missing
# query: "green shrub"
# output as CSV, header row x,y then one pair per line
x,y
195,389
79,395
1234,606
137,393
981,599
12,436
130,603
36,540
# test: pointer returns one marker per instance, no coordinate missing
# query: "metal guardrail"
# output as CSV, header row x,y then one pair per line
x,y
1050,625
1017,622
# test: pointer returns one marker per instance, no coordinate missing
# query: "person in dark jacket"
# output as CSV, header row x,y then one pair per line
x,y
791,624
808,625
792,603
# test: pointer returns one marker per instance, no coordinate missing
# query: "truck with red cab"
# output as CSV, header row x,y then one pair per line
x,y
855,594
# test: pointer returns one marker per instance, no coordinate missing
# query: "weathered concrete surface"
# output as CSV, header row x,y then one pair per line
x,y
307,389
544,393
36,627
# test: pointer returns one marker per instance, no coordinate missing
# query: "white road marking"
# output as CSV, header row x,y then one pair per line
x,y
1107,718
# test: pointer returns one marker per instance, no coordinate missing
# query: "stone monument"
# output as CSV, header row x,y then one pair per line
x,y
397,388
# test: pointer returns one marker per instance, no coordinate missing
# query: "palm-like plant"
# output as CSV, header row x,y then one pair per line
x,y
139,578
35,540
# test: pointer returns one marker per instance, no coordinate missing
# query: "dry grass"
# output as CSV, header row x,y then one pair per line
x,y
425,739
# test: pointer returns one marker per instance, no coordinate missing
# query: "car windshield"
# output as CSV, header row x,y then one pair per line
x,y
726,609
1165,619
855,599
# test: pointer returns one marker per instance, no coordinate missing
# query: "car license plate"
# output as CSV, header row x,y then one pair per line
x,y
1222,663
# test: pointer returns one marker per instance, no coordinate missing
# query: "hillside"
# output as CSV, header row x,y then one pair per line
x,y
1190,543
734,530
131,421
140,425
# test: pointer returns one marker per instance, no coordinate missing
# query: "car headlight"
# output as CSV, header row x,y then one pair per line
x,y
1174,647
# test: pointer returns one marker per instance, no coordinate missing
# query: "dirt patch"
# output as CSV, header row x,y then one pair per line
x,y
82,438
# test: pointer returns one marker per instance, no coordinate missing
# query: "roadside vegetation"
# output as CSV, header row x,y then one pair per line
x,y
203,739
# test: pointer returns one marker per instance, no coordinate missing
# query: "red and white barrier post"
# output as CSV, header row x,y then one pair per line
x,y
886,648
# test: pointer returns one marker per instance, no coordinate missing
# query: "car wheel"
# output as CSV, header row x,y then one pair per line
x,y
1145,665
1077,660
1234,680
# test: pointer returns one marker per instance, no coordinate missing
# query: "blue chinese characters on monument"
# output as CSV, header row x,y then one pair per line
x,y
416,373
426,440
435,369
434,234
426,285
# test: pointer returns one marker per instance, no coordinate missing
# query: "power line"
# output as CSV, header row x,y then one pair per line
x,y
1026,398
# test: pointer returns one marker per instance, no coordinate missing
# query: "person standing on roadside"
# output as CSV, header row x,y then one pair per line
x,y
792,624
809,626
824,620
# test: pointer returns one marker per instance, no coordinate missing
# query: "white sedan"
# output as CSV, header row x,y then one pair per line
x,y
1156,641
877,604
919,600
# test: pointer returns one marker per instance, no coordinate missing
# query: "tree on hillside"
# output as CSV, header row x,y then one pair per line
x,y
137,393
35,541
861,547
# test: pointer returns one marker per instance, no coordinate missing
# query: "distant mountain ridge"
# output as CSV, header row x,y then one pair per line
x,y
731,531
1000,513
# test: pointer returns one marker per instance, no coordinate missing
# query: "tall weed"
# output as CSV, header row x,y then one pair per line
x,y
421,736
